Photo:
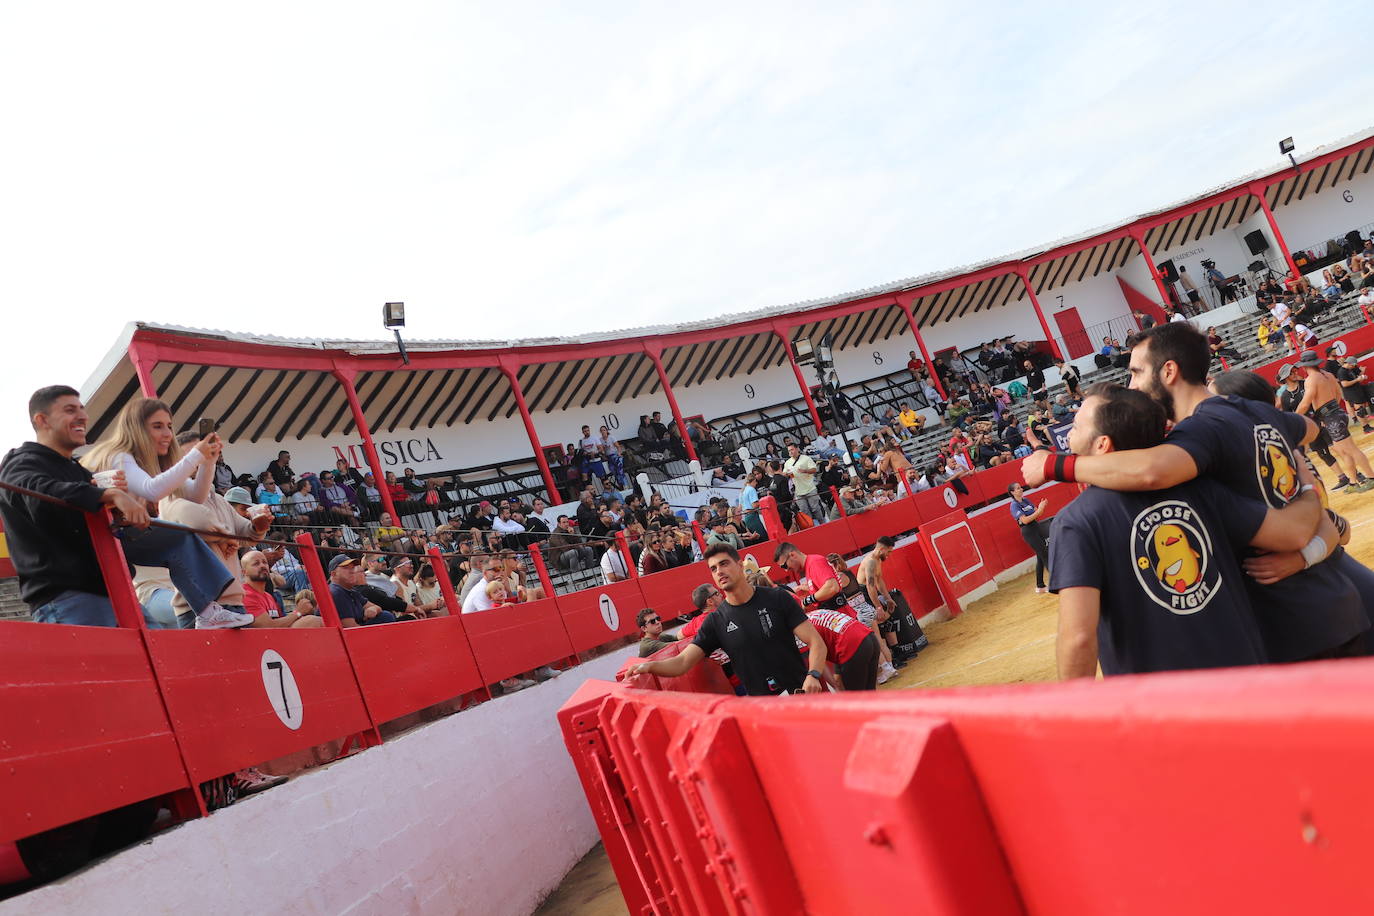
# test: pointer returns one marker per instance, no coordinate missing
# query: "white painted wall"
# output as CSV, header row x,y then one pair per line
x,y
1318,217
480,813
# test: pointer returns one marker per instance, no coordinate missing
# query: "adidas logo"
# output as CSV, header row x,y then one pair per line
x,y
731,628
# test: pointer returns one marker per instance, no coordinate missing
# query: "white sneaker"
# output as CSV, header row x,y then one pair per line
x,y
546,673
512,684
218,617
886,672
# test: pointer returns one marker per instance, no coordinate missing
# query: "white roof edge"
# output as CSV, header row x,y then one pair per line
x,y
112,359
363,347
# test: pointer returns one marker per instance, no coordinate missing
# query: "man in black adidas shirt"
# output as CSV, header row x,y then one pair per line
x,y
757,628
1151,581
1249,448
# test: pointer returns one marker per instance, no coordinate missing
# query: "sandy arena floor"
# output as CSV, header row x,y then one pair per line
x,y
1005,638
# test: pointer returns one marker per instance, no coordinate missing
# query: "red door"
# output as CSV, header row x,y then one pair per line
x,y
1071,331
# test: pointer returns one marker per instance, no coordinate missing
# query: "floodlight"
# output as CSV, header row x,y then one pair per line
x,y
1285,146
802,350
393,319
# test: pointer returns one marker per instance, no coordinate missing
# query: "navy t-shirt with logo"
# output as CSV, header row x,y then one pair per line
x,y
758,638
1249,447
1167,566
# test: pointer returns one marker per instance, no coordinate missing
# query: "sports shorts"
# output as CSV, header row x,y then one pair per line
x,y
1334,421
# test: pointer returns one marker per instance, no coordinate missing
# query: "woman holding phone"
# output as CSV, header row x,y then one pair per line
x,y
141,445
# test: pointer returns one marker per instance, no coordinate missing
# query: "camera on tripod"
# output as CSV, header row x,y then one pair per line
x,y
1208,264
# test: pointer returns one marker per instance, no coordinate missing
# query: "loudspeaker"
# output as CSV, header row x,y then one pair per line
x,y
1353,239
1169,272
1256,242
1256,266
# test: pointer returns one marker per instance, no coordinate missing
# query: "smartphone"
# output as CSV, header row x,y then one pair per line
x,y
207,426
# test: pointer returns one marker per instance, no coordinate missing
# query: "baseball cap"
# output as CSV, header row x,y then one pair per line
x,y
342,560
1309,358
238,496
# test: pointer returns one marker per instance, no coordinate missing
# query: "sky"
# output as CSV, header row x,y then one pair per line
x,y
519,169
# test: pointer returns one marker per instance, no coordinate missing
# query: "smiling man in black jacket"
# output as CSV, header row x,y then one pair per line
x,y
59,577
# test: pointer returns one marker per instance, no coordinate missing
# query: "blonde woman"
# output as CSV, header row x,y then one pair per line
x,y
142,444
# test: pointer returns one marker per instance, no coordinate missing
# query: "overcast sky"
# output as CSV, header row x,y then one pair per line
x,y
523,169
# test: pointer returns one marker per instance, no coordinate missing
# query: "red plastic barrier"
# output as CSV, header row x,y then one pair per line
x,y
520,637
237,698
596,616
706,677
957,561
82,726
1138,795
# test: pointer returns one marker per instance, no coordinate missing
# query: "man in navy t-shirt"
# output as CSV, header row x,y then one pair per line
x,y
1151,581
1247,447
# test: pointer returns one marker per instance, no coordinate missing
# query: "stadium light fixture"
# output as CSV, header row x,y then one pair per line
x,y
393,319
1286,149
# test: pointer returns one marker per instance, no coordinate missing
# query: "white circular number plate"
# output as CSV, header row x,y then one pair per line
x,y
951,498
1338,348
281,688
609,614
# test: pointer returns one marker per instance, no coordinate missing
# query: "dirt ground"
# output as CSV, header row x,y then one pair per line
x,y
1004,638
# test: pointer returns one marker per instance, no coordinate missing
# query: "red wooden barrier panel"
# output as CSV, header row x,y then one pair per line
x,y
892,519
82,727
670,592
935,502
240,697
517,638
404,667
831,537
956,560
596,616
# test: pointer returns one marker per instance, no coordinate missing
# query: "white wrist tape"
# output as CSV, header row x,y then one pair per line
x,y
1315,551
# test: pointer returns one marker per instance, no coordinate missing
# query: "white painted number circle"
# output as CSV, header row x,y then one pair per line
x,y
609,613
1338,348
281,688
951,498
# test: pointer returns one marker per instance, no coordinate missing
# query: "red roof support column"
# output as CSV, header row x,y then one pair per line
x,y
925,354
345,378
554,498
1150,263
143,368
801,379
1039,313
1257,190
672,403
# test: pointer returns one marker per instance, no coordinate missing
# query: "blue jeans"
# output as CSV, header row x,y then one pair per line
x,y
196,570
158,608
296,580
82,609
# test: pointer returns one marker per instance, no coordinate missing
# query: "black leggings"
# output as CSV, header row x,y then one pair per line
x,y
1036,539
861,671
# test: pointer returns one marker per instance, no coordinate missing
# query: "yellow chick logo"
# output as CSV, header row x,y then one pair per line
x,y
1283,478
1178,565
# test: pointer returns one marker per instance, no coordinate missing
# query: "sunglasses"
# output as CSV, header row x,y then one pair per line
x,y
651,620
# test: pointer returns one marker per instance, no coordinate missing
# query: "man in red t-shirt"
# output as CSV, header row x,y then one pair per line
x,y
825,591
851,645
914,365
705,598
260,602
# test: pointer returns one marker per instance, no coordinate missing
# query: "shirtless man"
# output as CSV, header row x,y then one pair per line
x,y
871,578
1322,395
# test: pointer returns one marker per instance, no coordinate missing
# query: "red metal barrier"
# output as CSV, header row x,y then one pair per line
x,y
82,726
596,616
1159,794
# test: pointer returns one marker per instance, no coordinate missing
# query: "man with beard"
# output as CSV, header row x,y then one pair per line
x,y
1248,447
757,628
